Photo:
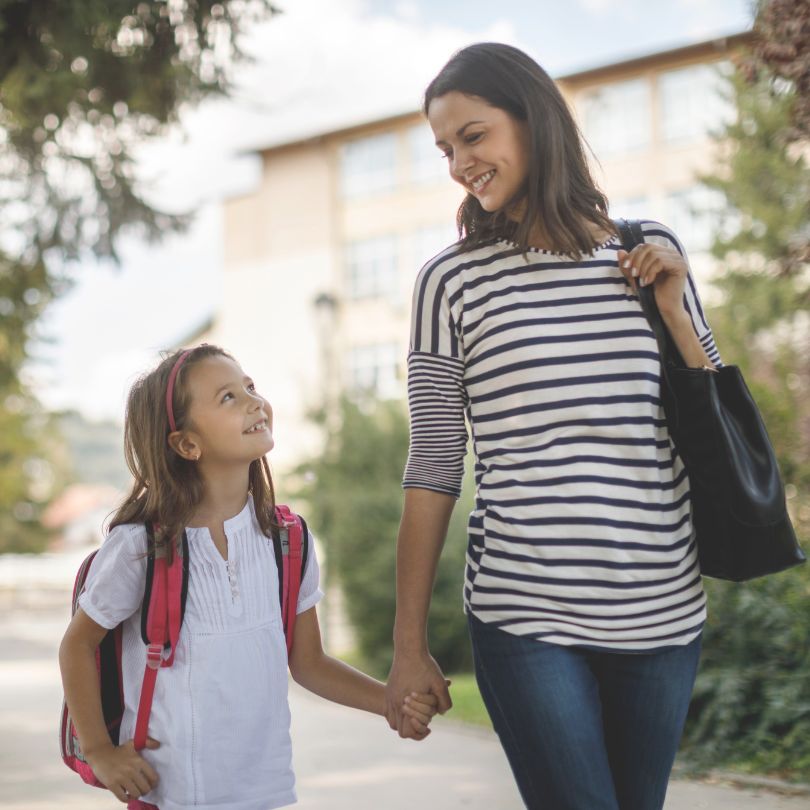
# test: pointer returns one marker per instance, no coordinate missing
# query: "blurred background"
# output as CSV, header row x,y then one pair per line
x,y
259,175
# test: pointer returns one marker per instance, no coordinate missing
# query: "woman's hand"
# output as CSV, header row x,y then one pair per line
x,y
667,270
663,266
123,770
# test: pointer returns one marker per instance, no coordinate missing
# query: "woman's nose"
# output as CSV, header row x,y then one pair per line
x,y
462,160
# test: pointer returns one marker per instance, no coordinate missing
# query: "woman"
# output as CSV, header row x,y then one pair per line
x,y
582,588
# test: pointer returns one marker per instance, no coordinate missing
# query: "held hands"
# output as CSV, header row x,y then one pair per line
x,y
415,679
663,266
123,770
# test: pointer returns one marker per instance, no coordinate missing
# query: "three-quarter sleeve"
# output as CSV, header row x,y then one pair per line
x,y
437,399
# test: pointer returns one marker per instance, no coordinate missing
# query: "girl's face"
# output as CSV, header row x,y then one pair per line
x,y
486,148
227,420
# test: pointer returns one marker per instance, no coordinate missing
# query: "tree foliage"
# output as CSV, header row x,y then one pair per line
x,y
751,705
354,498
782,52
82,84
21,470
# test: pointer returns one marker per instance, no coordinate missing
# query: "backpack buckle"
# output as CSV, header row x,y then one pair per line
x,y
154,656
284,535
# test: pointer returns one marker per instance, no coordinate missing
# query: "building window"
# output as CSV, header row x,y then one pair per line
x,y
371,268
693,102
426,161
374,371
694,215
369,165
617,117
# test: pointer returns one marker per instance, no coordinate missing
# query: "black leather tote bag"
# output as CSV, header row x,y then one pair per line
x,y
738,501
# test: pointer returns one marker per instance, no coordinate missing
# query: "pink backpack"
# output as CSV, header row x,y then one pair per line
x,y
161,618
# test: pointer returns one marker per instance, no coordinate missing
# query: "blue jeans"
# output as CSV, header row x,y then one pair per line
x,y
585,729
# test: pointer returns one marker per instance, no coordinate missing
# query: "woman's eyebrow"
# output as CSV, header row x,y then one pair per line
x,y
460,132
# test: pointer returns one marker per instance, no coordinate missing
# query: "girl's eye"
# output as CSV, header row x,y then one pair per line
x,y
226,396
474,137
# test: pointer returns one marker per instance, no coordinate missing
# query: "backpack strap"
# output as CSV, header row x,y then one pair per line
x,y
150,576
292,548
162,616
304,545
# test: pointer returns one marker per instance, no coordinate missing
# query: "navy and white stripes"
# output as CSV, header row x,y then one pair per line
x,y
581,532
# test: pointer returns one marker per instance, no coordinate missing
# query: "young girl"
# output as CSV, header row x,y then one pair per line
x,y
196,435
582,590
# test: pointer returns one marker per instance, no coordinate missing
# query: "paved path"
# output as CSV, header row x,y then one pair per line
x,y
344,759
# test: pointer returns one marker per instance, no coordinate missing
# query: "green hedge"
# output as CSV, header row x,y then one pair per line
x,y
751,706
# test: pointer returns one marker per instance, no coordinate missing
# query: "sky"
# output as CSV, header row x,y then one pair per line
x,y
320,65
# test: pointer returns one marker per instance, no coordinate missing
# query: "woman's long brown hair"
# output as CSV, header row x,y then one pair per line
x,y
561,197
167,488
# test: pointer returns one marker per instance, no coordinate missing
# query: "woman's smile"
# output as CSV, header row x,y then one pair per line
x,y
482,181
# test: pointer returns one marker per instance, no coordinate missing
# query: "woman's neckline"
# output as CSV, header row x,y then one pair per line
x,y
546,252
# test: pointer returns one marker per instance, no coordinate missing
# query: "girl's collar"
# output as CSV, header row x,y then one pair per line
x,y
238,521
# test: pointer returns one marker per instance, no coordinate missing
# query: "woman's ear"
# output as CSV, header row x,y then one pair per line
x,y
185,445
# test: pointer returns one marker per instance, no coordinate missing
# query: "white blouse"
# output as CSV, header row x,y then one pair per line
x,y
220,712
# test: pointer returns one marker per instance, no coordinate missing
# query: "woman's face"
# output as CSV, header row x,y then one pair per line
x,y
486,148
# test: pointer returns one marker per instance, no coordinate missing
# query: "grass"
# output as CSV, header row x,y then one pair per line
x,y
467,704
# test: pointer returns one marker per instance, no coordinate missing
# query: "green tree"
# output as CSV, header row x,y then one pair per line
x,y
21,464
81,84
751,705
354,497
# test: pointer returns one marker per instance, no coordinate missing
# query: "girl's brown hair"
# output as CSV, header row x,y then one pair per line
x,y
560,195
168,488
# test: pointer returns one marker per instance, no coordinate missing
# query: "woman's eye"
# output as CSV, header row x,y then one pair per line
x,y
227,396
473,137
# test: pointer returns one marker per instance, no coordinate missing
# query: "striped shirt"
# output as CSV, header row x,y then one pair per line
x,y
581,532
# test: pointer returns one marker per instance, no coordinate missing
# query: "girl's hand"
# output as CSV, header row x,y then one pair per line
x,y
419,710
123,770
663,266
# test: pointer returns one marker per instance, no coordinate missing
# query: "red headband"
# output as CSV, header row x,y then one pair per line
x,y
170,387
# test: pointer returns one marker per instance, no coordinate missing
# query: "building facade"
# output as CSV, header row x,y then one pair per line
x,y
321,257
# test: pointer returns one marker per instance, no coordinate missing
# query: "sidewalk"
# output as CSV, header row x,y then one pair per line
x,y
345,760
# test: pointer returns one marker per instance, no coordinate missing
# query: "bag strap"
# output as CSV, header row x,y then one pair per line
x,y
163,607
631,234
293,548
